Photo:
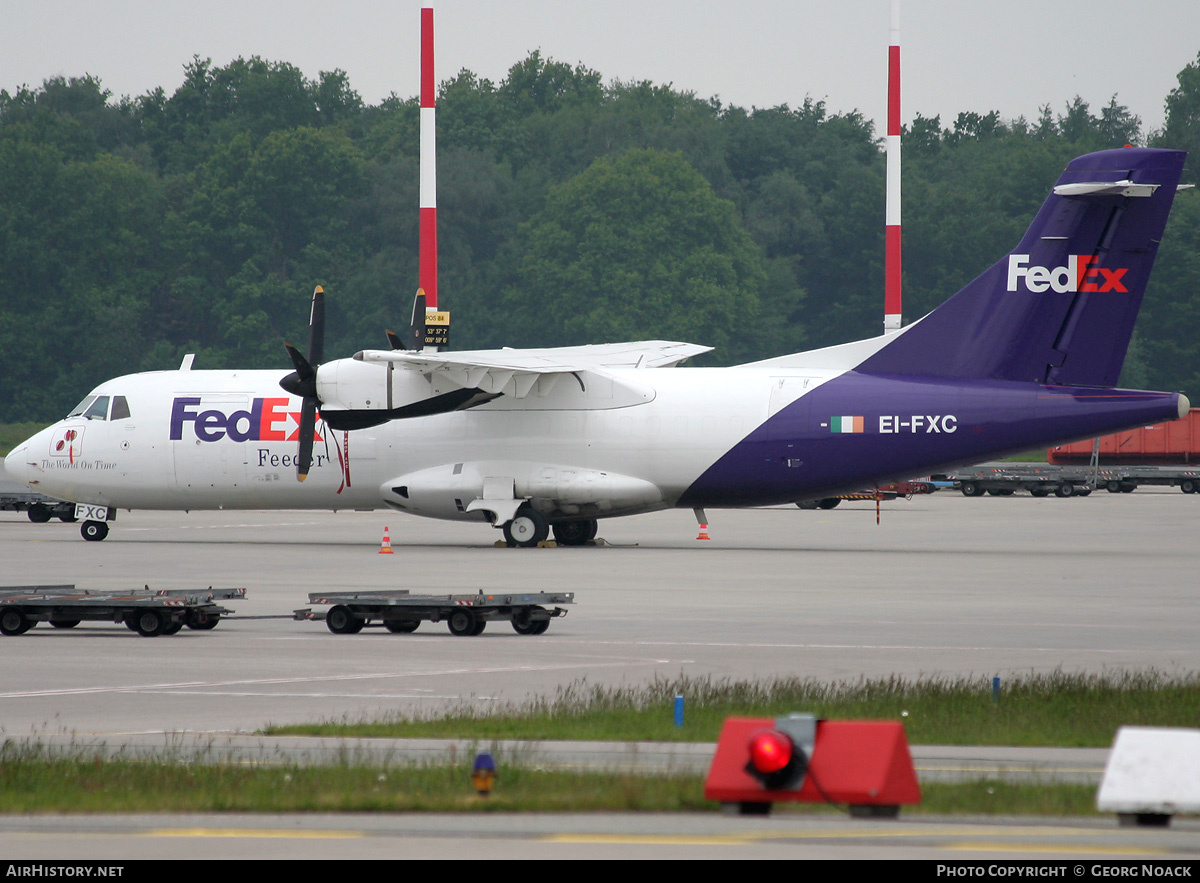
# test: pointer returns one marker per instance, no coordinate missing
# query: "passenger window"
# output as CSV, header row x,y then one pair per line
x,y
120,408
98,410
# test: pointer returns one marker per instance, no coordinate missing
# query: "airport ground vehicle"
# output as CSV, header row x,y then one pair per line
x,y
148,612
1042,480
906,489
1171,443
38,507
466,615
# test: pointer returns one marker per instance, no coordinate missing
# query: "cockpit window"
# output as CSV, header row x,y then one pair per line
x,y
97,410
82,406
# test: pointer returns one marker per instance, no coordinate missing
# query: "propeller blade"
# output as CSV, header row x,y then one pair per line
x,y
303,381
316,327
303,368
308,425
416,328
394,340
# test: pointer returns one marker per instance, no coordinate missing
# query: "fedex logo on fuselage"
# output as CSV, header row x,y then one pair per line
x,y
267,420
1079,274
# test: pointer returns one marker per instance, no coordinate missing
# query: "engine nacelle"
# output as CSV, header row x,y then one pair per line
x,y
357,395
494,490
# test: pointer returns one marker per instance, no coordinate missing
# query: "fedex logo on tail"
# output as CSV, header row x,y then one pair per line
x,y
266,420
1079,274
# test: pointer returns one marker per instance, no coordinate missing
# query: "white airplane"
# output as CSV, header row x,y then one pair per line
x,y
540,440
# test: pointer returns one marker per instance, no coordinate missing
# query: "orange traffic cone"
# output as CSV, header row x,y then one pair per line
x,y
386,547
704,533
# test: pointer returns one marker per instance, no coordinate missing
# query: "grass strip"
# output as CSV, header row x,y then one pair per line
x,y
31,783
1041,709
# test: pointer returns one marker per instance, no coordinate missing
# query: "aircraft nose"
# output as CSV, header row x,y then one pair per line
x,y
15,465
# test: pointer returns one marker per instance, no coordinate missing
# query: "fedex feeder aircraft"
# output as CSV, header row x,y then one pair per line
x,y
540,440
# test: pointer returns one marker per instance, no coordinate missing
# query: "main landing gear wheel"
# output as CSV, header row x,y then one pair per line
x,y
38,514
528,528
93,531
341,621
401,627
575,533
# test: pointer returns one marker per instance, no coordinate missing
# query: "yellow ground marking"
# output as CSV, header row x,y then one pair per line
x,y
255,832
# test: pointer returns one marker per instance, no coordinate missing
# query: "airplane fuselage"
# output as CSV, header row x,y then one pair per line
x,y
746,436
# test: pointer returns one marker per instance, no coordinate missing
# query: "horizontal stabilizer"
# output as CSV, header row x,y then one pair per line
x,y
1106,188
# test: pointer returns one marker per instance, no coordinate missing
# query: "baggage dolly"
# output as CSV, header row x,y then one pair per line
x,y
149,612
401,612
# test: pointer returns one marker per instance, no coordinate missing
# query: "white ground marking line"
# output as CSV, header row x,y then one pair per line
x,y
258,525
199,686
922,647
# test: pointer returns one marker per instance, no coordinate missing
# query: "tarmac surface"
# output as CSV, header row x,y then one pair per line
x,y
944,586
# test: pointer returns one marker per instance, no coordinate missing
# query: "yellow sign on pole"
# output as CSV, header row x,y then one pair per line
x,y
437,328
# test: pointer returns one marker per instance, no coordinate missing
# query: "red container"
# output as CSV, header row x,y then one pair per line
x,y
1177,441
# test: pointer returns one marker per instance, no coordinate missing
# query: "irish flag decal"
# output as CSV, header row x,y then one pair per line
x,y
845,424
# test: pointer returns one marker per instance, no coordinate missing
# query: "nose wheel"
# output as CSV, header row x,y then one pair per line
x,y
93,531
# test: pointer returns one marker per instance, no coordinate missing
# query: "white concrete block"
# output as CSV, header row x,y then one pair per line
x,y
1152,771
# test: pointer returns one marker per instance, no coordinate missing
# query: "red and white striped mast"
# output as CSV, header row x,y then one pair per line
x,y
431,327
891,284
427,267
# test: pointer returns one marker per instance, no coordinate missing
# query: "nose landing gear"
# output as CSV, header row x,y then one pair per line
x,y
93,531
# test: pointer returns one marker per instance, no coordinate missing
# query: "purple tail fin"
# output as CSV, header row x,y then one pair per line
x,y
1060,308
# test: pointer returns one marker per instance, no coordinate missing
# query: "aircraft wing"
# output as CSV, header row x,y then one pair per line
x,y
516,371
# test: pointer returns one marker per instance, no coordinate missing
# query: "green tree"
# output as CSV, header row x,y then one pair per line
x,y
1170,314
266,223
635,247
1182,128
83,240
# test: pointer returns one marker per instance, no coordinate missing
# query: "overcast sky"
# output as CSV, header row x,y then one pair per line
x,y
1009,55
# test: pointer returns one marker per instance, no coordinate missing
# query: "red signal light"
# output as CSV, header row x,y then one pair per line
x,y
864,764
770,752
